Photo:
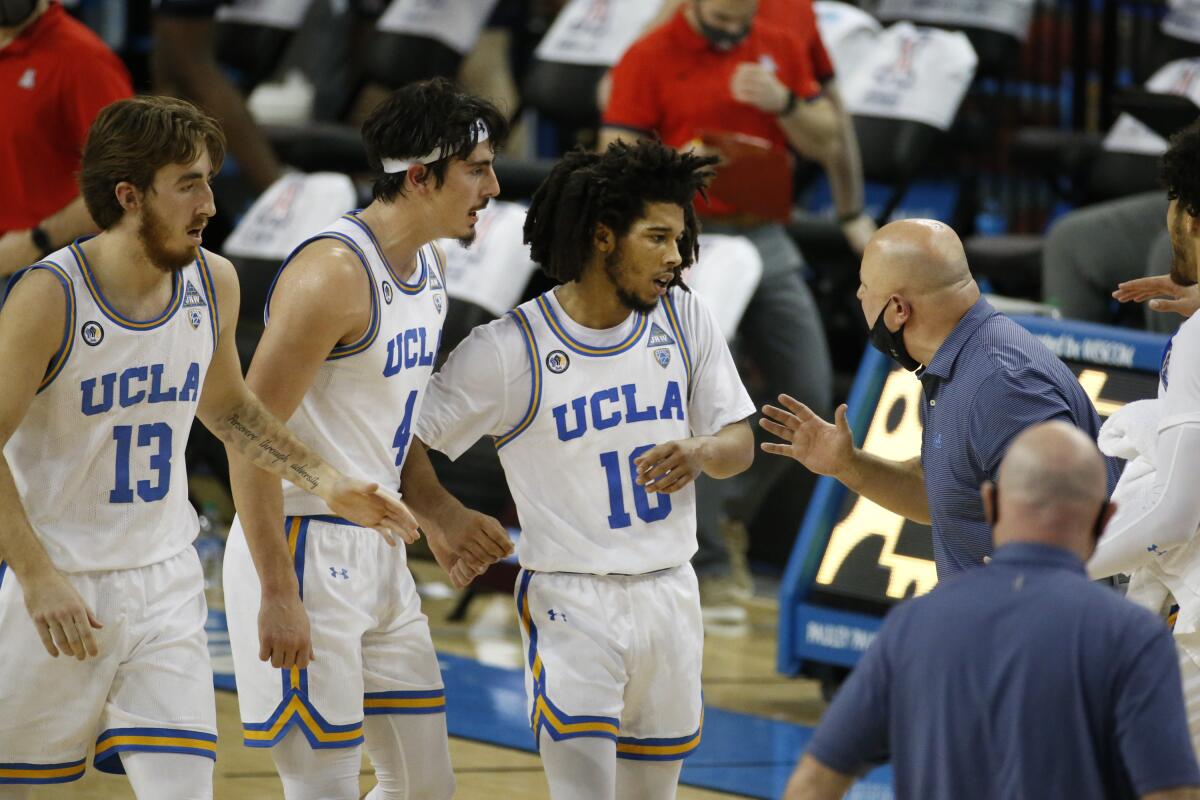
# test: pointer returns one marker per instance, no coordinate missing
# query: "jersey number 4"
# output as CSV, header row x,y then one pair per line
x,y
618,517
156,435
404,432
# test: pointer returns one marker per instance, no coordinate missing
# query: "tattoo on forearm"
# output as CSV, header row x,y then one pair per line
x,y
248,424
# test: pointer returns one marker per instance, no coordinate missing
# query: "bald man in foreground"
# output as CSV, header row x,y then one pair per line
x,y
1021,679
985,379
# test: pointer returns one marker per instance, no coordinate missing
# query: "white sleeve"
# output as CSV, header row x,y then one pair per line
x,y
1168,514
718,397
1181,401
472,395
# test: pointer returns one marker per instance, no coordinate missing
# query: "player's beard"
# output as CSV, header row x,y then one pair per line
x,y
612,268
153,234
1183,253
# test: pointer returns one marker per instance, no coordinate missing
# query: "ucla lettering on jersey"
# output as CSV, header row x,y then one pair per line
x,y
98,458
359,412
593,410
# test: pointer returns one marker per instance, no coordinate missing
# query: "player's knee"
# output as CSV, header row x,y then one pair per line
x,y
435,782
439,785
169,776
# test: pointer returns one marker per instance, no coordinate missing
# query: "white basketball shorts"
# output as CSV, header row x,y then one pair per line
x,y
615,657
372,650
150,689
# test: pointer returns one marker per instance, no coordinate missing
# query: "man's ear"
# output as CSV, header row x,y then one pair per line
x,y
987,492
604,239
901,310
1191,224
127,195
417,176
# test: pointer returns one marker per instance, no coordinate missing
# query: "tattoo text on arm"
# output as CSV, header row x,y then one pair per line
x,y
255,434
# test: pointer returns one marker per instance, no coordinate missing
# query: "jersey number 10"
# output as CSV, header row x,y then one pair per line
x,y
158,435
618,517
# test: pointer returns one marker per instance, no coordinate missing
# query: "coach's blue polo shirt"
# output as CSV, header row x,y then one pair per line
x,y
989,381
1022,679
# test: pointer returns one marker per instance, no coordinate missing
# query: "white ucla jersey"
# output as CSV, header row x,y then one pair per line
x,y
98,458
359,412
569,462
571,407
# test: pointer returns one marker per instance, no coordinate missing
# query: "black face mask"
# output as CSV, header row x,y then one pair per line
x,y
14,12
892,344
719,38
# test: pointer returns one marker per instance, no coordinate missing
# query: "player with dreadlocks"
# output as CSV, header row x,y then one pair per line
x,y
607,397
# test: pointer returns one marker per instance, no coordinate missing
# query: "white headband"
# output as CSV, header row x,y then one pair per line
x,y
394,165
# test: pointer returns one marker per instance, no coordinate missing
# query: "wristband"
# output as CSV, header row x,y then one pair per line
x,y
790,105
849,216
41,240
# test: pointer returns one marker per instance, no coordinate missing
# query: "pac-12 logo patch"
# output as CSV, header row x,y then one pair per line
x,y
92,333
437,302
663,356
194,317
387,293
557,362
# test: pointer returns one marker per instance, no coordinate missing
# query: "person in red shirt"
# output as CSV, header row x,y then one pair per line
x,y
55,76
722,66
844,168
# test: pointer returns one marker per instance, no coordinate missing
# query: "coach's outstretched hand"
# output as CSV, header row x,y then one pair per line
x,y
1163,293
372,506
823,448
63,620
466,542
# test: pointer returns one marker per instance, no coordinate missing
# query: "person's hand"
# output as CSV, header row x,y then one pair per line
x,y
17,251
670,466
823,448
467,543
604,90
1183,300
755,85
284,637
372,506
858,232
63,621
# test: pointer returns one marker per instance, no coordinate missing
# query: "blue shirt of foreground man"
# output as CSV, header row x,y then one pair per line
x,y
1021,679
984,379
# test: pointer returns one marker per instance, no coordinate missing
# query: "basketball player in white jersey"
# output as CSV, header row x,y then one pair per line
x,y
110,348
607,397
354,321
1156,539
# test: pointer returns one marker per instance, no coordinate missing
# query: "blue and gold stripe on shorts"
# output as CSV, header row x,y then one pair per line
x,y
432,701
150,740
42,773
296,711
659,749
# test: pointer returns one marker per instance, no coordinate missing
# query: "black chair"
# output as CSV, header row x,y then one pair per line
x,y
1084,173
564,93
894,153
252,51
